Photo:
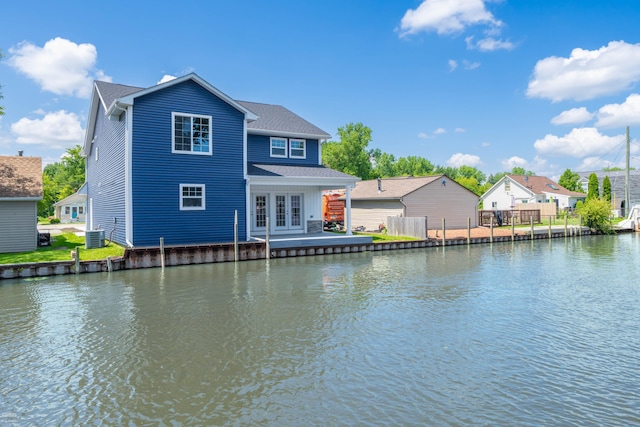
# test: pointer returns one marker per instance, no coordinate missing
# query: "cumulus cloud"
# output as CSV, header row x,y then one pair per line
x,y
467,65
445,16
586,74
514,161
59,129
460,159
579,143
573,116
453,64
618,115
60,66
488,44
439,131
166,78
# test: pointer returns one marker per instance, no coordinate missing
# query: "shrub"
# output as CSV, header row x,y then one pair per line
x,y
596,215
54,221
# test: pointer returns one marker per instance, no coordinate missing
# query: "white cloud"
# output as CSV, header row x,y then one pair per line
x,y
423,135
579,143
486,144
460,159
166,78
470,65
572,117
459,130
514,161
537,165
446,16
60,66
488,44
59,129
439,131
453,64
586,74
618,115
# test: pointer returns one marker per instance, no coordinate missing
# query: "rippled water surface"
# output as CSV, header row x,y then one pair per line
x,y
542,333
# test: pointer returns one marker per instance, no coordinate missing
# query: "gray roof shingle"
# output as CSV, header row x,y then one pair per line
x,y
290,171
391,188
109,92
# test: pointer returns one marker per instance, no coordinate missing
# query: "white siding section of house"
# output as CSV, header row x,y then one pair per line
x,y
451,201
503,198
371,213
18,226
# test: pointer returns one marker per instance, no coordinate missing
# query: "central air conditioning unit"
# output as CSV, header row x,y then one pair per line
x,y
94,239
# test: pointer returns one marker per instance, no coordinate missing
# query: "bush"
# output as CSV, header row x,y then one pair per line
x,y
54,221
596,215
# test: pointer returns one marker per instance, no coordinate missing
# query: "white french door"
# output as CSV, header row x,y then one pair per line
x,y
288,211
260,209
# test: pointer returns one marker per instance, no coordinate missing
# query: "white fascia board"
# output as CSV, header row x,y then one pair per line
x,y
286,134
302,181
91,121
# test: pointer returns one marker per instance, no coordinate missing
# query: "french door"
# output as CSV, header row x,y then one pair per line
x,y
288,211
260,210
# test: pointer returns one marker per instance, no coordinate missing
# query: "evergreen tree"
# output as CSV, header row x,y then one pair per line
x,y
606,189
593,192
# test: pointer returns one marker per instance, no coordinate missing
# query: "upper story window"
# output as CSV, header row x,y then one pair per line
x,y
278,147
507,185
192,197
292,148
191,133
297,149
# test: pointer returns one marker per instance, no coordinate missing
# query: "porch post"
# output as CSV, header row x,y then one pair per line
x,y
348,206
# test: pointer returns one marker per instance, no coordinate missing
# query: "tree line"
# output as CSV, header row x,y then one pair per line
x,y
61,179
351,155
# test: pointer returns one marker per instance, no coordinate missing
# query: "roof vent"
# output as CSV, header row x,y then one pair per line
x,y
20,153
379,185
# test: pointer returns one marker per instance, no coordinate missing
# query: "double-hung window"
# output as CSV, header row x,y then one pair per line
x,y
297,149
191,133
278,147
192,197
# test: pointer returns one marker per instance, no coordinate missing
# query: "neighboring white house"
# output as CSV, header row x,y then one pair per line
x,y
434,197
511,190
72,208
20,191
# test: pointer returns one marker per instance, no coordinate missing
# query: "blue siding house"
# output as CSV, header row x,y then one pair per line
x,y
178,160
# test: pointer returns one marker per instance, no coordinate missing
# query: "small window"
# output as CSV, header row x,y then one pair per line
x,y
81,210
192,197
507,185
67,210
494,204
191,134
297,149
278,147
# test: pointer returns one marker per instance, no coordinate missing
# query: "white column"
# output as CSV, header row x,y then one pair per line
x,y
348,206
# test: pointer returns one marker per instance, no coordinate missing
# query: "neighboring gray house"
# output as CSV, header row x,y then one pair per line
x,y
617,179
434,197
72,208
20,191
512,190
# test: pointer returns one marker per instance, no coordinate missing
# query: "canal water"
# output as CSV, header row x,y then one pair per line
x,y
526,333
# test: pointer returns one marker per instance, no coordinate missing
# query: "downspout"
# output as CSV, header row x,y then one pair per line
x,y
128,190
247,182
349,233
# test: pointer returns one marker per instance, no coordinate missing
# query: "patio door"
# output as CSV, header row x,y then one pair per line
x,y
260,209
288,211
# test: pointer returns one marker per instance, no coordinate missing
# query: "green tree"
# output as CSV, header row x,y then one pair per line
x,y
349,155
595,214
61,179
592,189
570,180
606,189
383,164
413,166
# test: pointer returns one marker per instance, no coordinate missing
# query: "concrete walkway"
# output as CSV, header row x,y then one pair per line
x,y
56,229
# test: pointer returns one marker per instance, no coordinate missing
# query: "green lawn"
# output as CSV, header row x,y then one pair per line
x,y
60,250
379,237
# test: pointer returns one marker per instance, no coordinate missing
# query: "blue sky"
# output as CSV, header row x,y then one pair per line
x,y
545,85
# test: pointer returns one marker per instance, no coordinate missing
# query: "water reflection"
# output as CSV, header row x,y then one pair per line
x,y
499,334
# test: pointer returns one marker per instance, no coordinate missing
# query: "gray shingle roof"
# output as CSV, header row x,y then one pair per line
x,y
276,118
109,92
289,171
273,119
20,177
392,188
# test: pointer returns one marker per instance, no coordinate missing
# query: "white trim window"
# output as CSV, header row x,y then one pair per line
x,y
278,147
192,197
191,133
297,149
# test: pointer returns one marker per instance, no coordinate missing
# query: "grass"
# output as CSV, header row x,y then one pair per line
x,y
60,250
380,237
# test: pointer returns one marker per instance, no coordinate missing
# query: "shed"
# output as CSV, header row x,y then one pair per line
x,y
434,197
20,191
72,208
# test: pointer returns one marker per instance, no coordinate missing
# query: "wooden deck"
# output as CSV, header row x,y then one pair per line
x,y
313,240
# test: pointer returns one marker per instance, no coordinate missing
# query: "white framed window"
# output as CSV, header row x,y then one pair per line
x,y
192,197
278,147
297,149
81,210
494,204
191,133
67,210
